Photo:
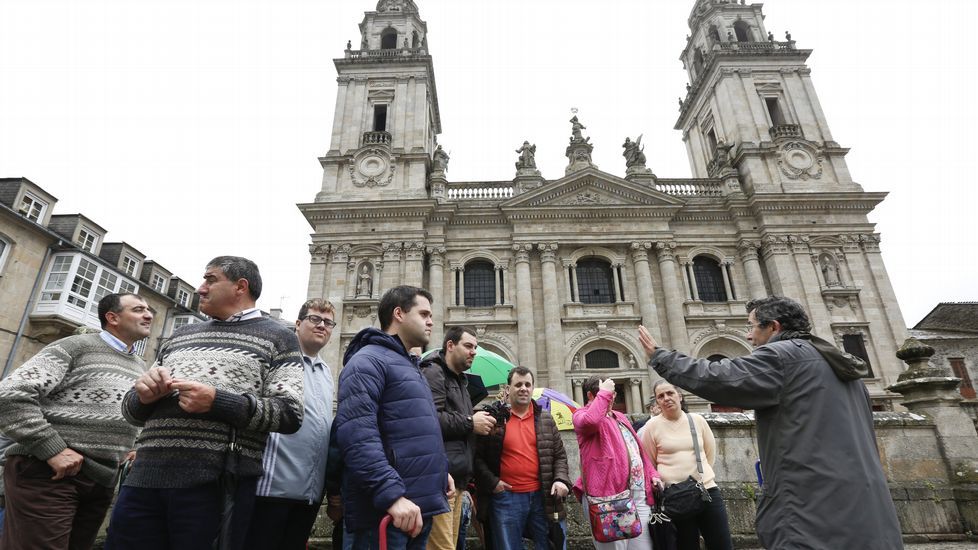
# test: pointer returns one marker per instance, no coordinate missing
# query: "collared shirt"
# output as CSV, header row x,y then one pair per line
x,y
520,465
244,315
115,343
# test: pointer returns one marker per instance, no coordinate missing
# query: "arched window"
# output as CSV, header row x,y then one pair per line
x,y
709,279
601,359
714,33
594,282
388,39
742,30
480,284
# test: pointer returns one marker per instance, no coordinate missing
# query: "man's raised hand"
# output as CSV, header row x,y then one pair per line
x,y
153,385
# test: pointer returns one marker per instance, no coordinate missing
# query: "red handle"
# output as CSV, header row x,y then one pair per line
x,y
383,531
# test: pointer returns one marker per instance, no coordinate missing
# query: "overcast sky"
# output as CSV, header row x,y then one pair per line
x,y
191,129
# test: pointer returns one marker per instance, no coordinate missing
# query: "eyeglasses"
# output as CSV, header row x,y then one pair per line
x,y
316,319
751,326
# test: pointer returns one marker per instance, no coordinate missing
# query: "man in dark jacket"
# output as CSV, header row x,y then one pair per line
x,y
824,487
388,430
445,372
521,470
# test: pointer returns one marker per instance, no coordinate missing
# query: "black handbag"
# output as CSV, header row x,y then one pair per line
x,y
687,498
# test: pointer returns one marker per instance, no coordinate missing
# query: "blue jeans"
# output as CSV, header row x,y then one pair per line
x,y
516,513
396,539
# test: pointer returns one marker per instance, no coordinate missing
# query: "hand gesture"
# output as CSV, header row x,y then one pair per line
x,y
559,489
657,482
502,486
647,341
334,508
407,516
482,423
194,396
153,385
67,463
607,384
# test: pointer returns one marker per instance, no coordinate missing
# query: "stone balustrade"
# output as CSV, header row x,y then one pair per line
x,y
756,47
375,138
690,187
487,191
786,131
383,54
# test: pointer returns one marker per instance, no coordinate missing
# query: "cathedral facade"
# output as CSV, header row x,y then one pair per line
x,y
556,275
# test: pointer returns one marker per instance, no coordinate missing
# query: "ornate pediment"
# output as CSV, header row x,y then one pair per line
x,y
591,188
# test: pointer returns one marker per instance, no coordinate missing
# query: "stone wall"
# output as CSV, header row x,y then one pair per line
x,y
928,502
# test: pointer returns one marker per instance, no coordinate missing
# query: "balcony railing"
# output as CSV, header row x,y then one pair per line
x,y
757,47
690,188
481,191
384,54
786,131
376,138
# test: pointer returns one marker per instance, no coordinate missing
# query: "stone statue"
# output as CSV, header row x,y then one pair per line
x,y
730,37
440,158
349,45
688,87
528,157
633,153
365,281
722,156
787,36
576,128
770,36
577,363
680,103
831,272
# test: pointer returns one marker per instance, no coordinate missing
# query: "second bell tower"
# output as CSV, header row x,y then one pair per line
x,y
386,118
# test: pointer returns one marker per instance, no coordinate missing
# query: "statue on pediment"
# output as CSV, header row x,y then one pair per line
x,y
365,281
576,128
633,153
528,159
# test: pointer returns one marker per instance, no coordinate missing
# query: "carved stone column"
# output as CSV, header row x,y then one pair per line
x,y
635,396
569,271
694,291
678,339
646,294
752,267
527,350
551,316
496,272
725,270
414,266
578,391
392,266
615,271
318,270
507,283
338,271
436,279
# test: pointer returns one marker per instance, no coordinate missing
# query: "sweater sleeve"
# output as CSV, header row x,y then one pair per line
x,y
588,418
278,407
647,439
21,416
709,441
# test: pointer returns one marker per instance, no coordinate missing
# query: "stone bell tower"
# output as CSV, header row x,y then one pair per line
x,y
386,118
751,106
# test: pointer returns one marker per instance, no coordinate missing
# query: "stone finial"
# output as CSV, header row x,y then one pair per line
x,y
916,355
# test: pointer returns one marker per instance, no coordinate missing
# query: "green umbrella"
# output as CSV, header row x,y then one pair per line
x,y
491,367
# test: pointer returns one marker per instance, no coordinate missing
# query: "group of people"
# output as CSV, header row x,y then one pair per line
x,y
236,444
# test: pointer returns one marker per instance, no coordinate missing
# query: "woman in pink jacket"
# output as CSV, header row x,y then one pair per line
x,y
612,460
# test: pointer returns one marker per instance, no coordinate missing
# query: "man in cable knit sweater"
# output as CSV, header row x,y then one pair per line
x,y
61,409
239,373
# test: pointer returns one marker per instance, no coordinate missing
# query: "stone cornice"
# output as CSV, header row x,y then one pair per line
x,y
801,202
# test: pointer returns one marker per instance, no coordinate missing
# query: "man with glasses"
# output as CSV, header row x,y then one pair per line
x,y
62,409
824,485
291,489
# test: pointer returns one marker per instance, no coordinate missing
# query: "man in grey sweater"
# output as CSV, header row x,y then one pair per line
x,y
62,409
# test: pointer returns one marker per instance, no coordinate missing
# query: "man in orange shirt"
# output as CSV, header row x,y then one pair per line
x,y
521,470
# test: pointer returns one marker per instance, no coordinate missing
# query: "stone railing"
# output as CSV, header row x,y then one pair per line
x,y
786,131
690,188
383,54
376,138
756,47
479,191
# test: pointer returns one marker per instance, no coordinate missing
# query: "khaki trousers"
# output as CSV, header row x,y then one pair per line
x,y
444,527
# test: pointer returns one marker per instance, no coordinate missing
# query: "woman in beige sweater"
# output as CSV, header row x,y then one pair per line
x,y
667,439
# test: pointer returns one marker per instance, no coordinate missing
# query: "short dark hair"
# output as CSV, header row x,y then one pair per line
x,y
236,268
317,304
454,334
112,303
679,391
398,297
591,386
521,370
783,310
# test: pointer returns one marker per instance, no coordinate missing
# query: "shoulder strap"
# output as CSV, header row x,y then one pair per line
x,y
696,445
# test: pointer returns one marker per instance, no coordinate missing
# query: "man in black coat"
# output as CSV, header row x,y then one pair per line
x,y
445,372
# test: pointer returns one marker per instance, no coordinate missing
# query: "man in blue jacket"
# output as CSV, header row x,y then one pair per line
x,y
388,430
